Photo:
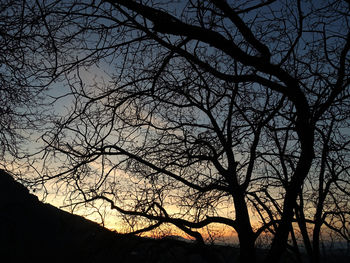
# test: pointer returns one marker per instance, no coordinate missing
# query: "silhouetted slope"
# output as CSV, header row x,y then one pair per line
x,y
31,231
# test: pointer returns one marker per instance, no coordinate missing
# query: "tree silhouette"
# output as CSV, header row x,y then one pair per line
x,y
205,112
27,67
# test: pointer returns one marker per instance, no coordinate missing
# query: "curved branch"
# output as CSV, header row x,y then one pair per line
x,y
243,28
181,223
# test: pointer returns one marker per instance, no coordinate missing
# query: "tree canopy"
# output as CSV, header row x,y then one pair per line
x,y
192,113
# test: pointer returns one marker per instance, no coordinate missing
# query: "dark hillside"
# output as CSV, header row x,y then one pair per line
x,y
31,231
34,230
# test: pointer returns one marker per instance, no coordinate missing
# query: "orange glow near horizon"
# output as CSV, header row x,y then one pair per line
x,y
217,233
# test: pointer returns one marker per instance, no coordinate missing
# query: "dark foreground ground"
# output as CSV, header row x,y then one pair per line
x,y
31,231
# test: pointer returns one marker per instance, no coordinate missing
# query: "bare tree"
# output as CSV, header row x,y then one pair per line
x,y
204,112
326,193
27,67
321,208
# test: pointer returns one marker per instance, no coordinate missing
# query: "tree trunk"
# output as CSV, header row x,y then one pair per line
x,y
279,243
316,245
244,229
300,216
306,137
247,249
